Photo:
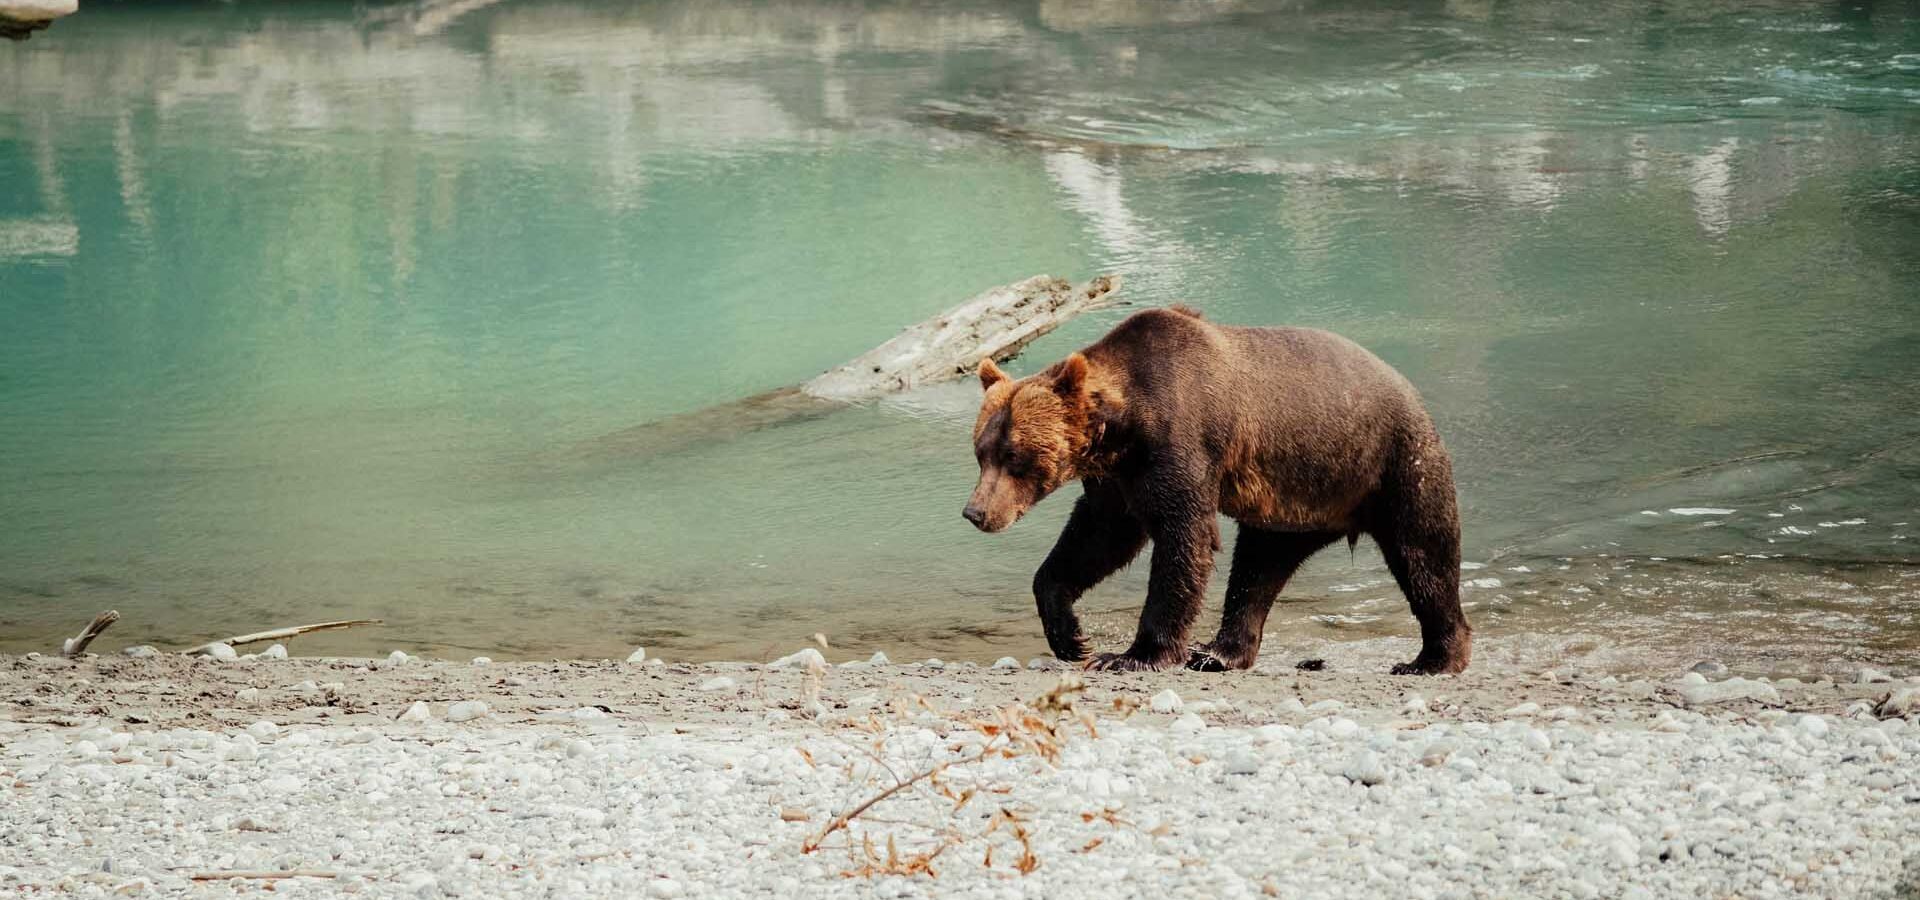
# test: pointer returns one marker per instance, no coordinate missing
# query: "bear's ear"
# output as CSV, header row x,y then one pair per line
x,y
1072,378
990,374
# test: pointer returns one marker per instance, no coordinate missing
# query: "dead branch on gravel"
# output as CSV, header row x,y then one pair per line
x,y
73,646
1039,729
280,634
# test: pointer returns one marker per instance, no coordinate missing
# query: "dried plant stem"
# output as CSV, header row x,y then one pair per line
x,y
844,819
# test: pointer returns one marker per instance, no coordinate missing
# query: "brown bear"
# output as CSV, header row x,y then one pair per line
x,y
1299,435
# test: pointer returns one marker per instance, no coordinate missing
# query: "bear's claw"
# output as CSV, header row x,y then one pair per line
x,y
1205,658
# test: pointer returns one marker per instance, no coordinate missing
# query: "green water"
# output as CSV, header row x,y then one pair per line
x,y
303,305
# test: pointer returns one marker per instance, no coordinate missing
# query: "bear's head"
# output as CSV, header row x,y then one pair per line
x,y
1033,436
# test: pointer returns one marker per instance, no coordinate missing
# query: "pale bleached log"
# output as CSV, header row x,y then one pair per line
x,y
21,18
998,324
278,634
73,646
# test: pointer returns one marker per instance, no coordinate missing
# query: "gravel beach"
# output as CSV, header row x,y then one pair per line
x,y
408,777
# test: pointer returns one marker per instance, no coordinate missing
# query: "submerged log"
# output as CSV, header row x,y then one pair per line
x,y
998,323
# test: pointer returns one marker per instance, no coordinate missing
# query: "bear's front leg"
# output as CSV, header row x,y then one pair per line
x,y
1100,538
1183,548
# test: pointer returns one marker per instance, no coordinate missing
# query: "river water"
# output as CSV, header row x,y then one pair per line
x,y
304,307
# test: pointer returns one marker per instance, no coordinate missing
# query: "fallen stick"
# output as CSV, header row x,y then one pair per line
x,y
267,876
72,646
279,634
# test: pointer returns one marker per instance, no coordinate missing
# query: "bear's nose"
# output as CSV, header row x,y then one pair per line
x,y
974,514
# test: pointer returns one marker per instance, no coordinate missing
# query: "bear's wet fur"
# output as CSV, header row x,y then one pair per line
x,y
1299,435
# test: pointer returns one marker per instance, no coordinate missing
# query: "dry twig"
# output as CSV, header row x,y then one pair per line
x,y
1036,729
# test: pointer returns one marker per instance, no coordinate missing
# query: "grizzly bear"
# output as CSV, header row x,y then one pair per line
x,y
1300,436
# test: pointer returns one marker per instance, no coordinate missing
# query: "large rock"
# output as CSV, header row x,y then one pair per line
x,y
20,18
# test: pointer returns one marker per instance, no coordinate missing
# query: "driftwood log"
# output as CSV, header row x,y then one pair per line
x,y
73,646
19,19
278,634
998,323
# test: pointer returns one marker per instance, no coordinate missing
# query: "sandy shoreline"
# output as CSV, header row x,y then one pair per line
x,y
607,778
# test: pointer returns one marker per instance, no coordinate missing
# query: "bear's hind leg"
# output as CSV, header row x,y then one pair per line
x,y
1262,563
1420,538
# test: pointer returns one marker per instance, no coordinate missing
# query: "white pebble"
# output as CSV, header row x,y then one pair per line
x,y
247,695
487,661
466,710
417,713
1900,703
263,730
1343,729
1188,724
1813,726
397,658
1005,664
639,655
222,652
879,659
276,651
1242,763
1524,709
717,683
1415,703
242,748
1166,702
1871,676
1365,767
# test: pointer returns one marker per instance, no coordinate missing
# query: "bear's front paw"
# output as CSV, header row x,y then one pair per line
x,y
1121,662
1423,665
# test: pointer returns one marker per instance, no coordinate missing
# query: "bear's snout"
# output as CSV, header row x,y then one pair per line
x,y
976,515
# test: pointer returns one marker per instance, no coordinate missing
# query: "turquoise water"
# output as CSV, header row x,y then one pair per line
x,y
305,307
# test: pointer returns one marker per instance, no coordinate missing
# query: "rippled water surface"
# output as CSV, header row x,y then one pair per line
x,y
307,308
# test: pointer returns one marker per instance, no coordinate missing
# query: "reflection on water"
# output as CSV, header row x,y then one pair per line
x,y
300,299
